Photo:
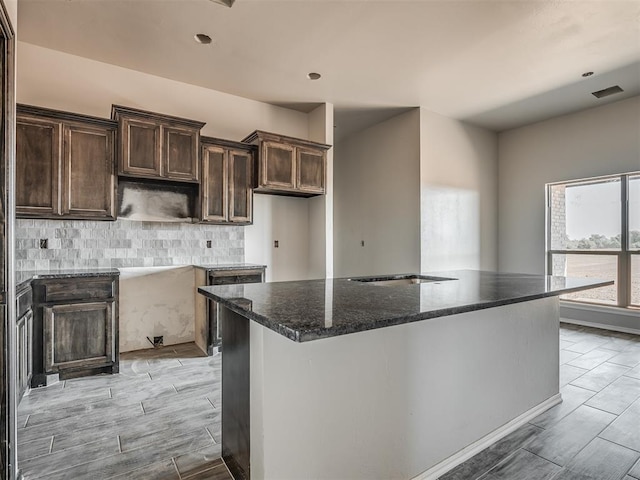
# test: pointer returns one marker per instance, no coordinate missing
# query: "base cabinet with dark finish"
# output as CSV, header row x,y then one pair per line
x,y
65,165
75,326
226,192
289,166
24,325
226,277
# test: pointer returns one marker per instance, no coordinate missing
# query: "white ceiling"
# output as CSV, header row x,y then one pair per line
x,y
498,64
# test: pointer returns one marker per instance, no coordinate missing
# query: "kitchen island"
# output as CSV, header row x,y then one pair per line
x,y
367,378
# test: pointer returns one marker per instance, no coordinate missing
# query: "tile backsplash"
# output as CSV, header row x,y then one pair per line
x,y
124,243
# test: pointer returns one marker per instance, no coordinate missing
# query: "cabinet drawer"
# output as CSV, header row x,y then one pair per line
x,y
24,302
230,278
80,289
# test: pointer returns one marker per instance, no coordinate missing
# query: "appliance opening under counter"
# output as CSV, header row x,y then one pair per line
x,y
398,280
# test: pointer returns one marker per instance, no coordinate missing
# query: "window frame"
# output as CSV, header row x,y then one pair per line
x,y
624,254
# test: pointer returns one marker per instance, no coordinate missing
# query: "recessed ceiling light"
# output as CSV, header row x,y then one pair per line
x,y
313,76
202,38
587,74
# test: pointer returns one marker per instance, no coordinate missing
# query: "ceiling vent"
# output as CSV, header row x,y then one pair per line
x,y
607,91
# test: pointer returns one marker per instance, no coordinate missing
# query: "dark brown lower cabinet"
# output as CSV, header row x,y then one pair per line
x,y
24,337
24,363
79,335
75,327
226,277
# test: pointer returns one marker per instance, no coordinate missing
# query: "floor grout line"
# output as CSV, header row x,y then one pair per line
x,y
53,437
175,465
119,443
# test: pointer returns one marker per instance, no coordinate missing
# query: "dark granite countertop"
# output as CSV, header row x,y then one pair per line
x,y
23,278
316,309
230,266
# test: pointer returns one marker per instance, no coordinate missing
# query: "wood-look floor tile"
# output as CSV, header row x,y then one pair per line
x,y
567,356
34,449
617,397
565,343
165,470
59,414
47,465
625,429
148,433
600,376
587,345
629,358
569,373
522,465
565,439
175,404
635,471
634,372
109,466
489,457
592,359
572,398
196,462
603,460
219,472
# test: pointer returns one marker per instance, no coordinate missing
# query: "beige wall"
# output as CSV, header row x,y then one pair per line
x,y
58,80
377,199
599,141
458,194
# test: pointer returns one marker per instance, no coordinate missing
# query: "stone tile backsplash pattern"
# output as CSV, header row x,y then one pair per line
x,y
124,243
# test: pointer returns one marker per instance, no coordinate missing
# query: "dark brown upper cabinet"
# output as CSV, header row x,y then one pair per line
x,y
289,166
226,194
156,146
64,165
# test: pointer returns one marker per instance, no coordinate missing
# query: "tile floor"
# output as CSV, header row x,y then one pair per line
x,y
160,419
594,434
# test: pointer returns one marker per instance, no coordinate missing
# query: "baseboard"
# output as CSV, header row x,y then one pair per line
x,y
476,447
602,326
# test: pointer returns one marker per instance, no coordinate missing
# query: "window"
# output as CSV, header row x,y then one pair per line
x,y
593,230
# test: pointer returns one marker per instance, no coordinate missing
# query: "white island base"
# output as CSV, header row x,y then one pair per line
x,y
402,402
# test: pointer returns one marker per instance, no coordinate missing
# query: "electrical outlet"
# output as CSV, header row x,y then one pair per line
x,y
208,243
276,244
158,341
44,243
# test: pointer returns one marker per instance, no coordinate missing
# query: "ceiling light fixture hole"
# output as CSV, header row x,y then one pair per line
x,y
587,74
313,76
202,38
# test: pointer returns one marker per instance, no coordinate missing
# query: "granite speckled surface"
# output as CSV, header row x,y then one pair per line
x,y
23,278
230,266
316,309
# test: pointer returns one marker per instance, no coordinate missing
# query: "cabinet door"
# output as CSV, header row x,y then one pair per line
x,y
88,172
240,191
278,165
180,153
140,148
214,184
78,335
38,160
310,170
